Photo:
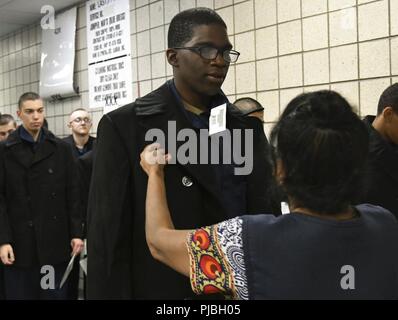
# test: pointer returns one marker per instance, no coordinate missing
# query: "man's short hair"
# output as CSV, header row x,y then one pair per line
x,y
182,25
6,119
248,105
389,98
26,97
78,109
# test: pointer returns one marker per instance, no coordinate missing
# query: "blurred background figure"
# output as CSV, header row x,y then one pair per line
x,y
80,123
382,173
82,144
250,107
7,125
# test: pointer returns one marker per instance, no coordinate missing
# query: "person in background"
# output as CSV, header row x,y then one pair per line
x,y
80,123
7,125
382,173
82,143
253,110
40,218
250,107
326,248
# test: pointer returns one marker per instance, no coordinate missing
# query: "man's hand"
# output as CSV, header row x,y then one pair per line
x,y
77,246
7,254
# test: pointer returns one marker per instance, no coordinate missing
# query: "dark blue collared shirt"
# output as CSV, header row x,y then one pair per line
x,y
25,136
232,187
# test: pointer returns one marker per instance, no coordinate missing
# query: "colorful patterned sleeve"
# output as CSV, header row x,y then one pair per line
x,y
217,260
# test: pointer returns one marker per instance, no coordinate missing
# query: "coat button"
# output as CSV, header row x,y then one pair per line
x,y
30,223
55,217
53,195
50,171
186,181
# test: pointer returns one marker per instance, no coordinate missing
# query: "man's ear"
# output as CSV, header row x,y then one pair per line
x,y
69,125
19,113
172,58
388,113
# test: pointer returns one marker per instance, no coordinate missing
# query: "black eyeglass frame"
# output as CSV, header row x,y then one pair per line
x,y
198,50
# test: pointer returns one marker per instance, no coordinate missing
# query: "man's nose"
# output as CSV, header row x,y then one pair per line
x,y
219,60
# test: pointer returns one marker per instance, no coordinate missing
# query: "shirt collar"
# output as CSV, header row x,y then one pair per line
x,y
217,100
26,136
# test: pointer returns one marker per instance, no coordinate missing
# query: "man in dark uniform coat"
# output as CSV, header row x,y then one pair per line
x,y
40,219
382,175
81,142
120,265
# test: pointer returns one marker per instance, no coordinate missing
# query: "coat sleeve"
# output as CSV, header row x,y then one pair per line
x,y
5,230
109,219
262,193
73,201
85,165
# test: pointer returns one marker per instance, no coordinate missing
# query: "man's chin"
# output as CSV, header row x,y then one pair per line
x,y
212,91
35,129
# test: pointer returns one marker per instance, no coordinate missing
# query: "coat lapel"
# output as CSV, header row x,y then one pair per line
x,y
44,150
384,153
18,148
170,111
21,156
389,159
28,159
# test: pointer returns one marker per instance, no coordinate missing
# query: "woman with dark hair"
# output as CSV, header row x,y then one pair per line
x,y
326,248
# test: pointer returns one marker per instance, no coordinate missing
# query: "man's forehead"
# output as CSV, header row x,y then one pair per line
x,y
245,105
210,34
32,104
79,113
6,127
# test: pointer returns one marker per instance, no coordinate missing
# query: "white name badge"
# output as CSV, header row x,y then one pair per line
x,y
218,119
285,208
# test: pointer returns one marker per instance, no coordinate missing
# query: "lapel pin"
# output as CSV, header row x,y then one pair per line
x,y
186,181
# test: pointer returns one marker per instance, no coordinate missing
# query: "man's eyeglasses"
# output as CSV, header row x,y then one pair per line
x,y
211,53
79,120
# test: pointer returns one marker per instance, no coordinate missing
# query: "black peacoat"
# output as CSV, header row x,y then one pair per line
x,y
39,200
120,265
381,178
88,147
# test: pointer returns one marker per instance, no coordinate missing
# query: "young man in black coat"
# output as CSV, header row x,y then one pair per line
x,y
40,219
382,175
80,140
120,265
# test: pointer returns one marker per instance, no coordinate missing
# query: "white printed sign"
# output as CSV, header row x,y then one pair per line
x,y
110,83
109,56
108,29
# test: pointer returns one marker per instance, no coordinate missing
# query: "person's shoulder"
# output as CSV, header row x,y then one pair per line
x,y
61,142
376,214
68,139
261,219
122,112
245,121
154,102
